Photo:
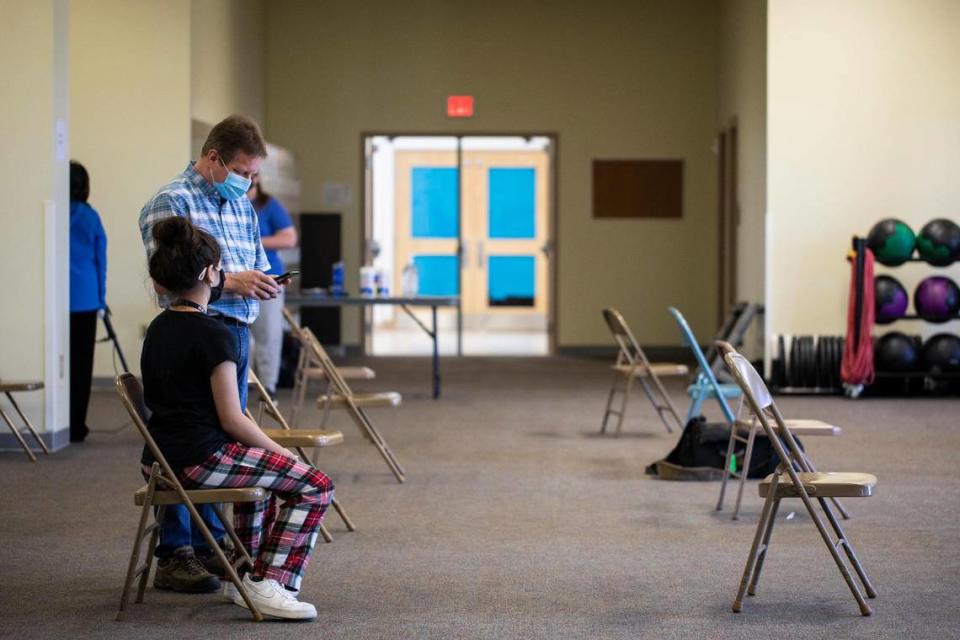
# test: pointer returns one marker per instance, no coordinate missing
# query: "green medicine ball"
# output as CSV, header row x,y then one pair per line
x,y
891,241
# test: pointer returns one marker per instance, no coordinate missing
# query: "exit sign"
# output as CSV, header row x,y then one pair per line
x,y
459,106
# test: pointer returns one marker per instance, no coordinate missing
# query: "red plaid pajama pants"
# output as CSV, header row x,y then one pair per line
x,y
279,537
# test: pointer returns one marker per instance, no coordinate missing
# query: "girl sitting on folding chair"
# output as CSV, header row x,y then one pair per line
x,y
190,386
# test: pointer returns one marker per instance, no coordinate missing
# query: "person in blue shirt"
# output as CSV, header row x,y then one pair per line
x,y
88,295
211,193
276,232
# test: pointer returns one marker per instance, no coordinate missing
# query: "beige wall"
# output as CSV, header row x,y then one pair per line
x,y
226,59
34,213
130,119
613,79
863,124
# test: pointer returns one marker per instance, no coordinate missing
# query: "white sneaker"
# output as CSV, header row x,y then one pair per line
x,y
230,593
273,600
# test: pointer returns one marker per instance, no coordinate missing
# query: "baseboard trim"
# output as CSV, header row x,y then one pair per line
x,y
55,441
654,353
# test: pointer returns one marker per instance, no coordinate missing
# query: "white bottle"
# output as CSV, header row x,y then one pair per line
x,y
411,281
368,284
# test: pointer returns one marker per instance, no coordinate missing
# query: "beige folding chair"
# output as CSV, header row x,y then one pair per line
x,y
788,482
8,387
163,489
340,396
308,369
746,431
298,439
632,364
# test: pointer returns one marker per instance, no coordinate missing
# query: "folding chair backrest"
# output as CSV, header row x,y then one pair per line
x,y
724,333
131,395
752,383
704,372
630,351
265,398
294,327
690,340
329,368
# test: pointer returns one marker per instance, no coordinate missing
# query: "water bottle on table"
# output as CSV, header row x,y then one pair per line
x,y
411,281
336,282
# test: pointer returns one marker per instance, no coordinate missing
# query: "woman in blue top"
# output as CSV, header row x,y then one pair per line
x,y
88,295
276,232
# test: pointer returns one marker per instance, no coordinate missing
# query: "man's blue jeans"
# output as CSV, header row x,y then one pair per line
x,y
177,530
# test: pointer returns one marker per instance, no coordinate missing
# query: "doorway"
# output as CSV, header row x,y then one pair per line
x,y
473,217
728,210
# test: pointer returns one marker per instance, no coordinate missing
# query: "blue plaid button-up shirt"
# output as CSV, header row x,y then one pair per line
x,y
232,222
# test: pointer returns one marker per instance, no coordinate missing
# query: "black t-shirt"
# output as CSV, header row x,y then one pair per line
x,y
180,352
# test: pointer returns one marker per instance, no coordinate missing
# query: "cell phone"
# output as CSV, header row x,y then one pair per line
x,y
284,276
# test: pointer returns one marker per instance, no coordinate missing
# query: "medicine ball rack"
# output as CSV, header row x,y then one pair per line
x,y
886,380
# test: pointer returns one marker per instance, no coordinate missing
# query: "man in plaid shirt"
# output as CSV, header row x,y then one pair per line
x,y
211,193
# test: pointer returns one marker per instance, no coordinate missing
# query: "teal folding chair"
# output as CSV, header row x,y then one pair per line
x,y
705,385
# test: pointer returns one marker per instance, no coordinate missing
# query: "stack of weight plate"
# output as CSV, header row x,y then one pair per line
x,y
811,364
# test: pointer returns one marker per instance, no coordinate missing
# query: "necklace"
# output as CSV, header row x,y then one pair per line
x,y
189,303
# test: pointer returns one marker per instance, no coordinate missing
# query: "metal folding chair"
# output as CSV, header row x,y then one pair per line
x,y
340,396
298,439
793,479
308,369
163,489
705,384
733,330
632,364
8,387
746,431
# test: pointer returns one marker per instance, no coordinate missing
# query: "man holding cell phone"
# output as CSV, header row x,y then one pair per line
x,y
276,232
211,193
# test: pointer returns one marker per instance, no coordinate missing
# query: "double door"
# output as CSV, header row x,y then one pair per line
x,y
483,236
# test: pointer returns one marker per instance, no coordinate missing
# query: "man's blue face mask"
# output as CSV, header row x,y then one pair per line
x,y
235,185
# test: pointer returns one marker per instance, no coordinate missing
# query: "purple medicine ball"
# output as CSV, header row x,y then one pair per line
x,y
890,299
937,298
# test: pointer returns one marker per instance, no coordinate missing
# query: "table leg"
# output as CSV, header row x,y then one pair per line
x,y
436,354
433,336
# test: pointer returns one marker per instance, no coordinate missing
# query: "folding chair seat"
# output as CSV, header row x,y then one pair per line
x,y
164,489
8,387
298,439
632,364
745,432
823,484
309,370
795,479
363,400
305,438
655,369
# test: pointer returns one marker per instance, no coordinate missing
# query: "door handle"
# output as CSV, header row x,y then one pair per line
x,y
479,254
464,251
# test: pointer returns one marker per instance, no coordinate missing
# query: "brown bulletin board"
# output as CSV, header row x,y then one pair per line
x,y
638,188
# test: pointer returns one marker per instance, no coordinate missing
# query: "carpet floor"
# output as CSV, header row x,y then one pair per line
x,y
517,521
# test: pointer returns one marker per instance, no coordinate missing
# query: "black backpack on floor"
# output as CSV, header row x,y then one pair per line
x,y
702,450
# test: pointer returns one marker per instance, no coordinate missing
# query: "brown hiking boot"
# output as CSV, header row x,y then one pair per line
x,y
182,572
212,563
